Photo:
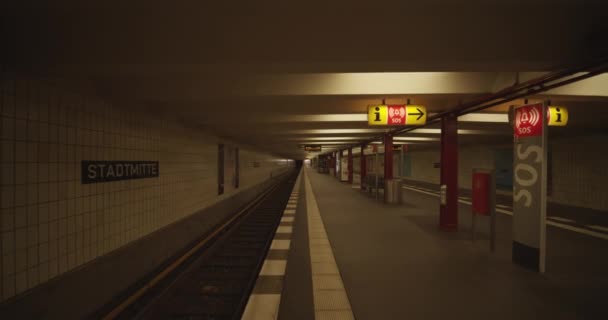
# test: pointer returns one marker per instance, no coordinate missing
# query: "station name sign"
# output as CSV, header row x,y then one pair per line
x,y
396,115
106,171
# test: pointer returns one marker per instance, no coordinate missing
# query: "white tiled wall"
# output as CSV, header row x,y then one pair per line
x,y
469,157
473,157
51,223
580,171
422,165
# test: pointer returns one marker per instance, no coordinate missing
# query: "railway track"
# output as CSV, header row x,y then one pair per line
x,y
215,279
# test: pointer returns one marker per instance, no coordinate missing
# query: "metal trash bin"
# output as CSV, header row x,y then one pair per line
x,y
393,191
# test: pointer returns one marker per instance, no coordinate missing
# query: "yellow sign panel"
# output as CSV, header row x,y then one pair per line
x,y
396,115
558,116
415,115
377,115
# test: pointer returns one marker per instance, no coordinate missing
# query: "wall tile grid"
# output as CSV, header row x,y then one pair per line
x,y
422,165
50,222
578,169
580,173
470,158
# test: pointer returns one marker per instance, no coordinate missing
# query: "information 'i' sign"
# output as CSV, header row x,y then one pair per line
x,y
557,116
396,115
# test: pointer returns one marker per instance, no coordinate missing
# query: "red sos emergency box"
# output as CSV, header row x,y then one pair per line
x,y
481,193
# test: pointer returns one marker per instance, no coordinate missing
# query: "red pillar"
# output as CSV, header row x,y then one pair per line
x,y
363,163
388,156
350,165
448,214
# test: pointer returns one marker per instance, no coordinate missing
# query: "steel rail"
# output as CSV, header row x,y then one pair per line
x,y
117,310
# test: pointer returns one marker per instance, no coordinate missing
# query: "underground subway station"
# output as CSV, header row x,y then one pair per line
x,y
301,160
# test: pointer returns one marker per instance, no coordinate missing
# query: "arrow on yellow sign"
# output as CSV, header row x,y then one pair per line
x,y
396,115
416,115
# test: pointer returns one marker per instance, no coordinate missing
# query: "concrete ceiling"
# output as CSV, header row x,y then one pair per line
x,y
311,36
242,70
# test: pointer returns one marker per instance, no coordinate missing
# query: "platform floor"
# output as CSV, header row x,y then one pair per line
x,y
394,263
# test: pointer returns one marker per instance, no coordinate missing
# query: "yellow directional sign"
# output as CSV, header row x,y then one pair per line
x,y
377,115
415,115
558,116
312,148
396,115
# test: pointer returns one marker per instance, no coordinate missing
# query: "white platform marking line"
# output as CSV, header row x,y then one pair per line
x,y
280,244
561,219
596,227
262,306
285,229
273,268
507,212
578,230
549,222
323,262
287,219
418,190
266,306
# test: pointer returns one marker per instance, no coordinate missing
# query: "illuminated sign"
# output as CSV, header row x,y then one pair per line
x,y
415,115
396,115
557,116
313,148
377,115
528,121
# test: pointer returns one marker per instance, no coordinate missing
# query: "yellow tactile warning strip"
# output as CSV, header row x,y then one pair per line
x,y
264,301
329,296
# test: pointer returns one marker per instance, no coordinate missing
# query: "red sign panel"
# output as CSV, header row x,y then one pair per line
x,y
481,193
529,121
396,115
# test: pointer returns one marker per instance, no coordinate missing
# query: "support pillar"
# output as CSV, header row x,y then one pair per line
x,y
363,164
388,156
448,210
350,165
530,186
